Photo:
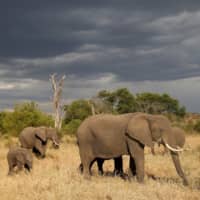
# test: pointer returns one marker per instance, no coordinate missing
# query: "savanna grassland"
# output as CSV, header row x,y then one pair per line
x,y
56,177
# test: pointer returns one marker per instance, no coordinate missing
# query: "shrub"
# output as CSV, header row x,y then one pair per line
x,y
25,114
72,126
197,126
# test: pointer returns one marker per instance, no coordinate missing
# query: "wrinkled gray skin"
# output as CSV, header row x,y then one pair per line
x,y
36,138
110,136
179,136
19,157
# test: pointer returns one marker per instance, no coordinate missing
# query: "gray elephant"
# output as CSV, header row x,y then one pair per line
x,y
109,136
179,136
36,138
19,157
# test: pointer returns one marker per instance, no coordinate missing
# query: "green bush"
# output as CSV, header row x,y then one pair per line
x,y
25,114
197,126
71,127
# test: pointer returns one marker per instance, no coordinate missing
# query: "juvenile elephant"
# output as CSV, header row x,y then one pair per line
x,y
36,138
108,136
20,158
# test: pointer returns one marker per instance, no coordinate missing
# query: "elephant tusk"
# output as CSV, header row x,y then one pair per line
x,y
173,149
55,143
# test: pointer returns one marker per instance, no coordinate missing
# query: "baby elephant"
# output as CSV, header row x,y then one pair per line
x,y
20,158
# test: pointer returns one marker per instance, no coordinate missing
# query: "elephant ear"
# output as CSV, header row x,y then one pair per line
x,y
138,129
40,133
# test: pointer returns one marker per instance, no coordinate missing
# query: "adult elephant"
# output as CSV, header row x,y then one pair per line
x,y
108,136
36,138
179,138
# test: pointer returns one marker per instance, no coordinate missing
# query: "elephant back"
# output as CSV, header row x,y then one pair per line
x,y
27,138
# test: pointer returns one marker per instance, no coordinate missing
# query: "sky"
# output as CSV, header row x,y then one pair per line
x,y
146,46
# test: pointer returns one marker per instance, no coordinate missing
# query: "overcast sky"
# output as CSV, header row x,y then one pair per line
x,y
99,44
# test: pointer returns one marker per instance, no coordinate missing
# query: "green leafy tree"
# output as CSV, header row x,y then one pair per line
x,y
79,109
122,100
25,114
159,103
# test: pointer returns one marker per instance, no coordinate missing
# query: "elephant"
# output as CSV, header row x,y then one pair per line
x,y
20,158
179,136
107,136
36,138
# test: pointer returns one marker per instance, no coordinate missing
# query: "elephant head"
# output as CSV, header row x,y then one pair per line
x,y
40,133
51,134
146,129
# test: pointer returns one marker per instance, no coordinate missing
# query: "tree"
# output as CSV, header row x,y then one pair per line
x,y
121,100
24,115
159,103
57,86
99,106
75,113
79,109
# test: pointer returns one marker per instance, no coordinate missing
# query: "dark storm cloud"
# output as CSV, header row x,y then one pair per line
x,y
97,44
45,28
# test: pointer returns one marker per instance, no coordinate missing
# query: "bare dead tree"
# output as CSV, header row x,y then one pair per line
x,y
90,103
57,86
98,106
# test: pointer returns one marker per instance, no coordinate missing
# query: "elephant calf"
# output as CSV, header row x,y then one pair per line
x,y
20,158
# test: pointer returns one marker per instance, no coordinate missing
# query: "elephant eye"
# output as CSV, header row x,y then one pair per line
x,y
161,129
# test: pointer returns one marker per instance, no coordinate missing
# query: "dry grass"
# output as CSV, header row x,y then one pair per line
x,y
56,177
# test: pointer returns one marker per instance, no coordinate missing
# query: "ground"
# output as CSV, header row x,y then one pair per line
x,y
56,177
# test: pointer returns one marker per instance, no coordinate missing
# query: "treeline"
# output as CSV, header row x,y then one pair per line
x,y
117,102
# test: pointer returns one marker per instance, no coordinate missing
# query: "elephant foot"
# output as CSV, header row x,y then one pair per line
x,y
140,178
100,173
10,173
87,177
124,176
185,182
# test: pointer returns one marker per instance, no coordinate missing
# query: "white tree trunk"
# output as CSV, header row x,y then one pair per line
x,y
57,93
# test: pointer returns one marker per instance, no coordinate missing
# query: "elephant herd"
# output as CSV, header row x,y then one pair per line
x,y
32,139
106,136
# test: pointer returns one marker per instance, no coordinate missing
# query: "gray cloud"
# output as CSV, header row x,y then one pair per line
x,y
98,45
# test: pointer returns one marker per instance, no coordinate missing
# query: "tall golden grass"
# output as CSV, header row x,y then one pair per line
x,y
56,177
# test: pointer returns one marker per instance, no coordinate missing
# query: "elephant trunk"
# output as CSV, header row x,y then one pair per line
x,y
55,144
170,142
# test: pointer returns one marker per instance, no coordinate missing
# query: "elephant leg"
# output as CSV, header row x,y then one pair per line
x,y
11,169
80,168
118,166
19,166
100,165
132,166
136,151
176,161
27,167
153,150
40,147
87,161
